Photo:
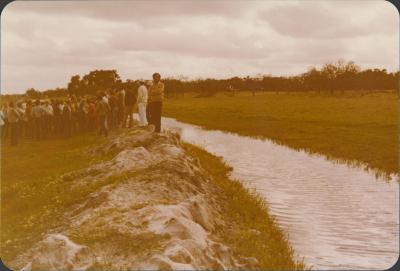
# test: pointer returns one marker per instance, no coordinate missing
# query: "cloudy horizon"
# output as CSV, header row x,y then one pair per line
x,y
44,43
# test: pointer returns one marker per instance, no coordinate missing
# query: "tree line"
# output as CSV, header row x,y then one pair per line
x,y
331,78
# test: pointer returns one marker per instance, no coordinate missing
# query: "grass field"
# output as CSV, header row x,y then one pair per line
x,y
347,128
33,196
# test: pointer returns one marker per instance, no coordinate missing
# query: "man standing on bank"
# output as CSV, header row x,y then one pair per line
x,y
155,99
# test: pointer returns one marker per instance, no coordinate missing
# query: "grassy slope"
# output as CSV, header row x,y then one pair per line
x,y
350,129
252,232
32,191
34,195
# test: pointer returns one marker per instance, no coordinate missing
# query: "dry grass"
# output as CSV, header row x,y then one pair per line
x,y
351,129
33,193
252,232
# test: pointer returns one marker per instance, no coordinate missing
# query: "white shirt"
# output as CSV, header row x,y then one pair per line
x,y
142,94
1,118
48,109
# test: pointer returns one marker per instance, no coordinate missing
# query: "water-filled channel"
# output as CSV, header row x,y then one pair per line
x,y
337,217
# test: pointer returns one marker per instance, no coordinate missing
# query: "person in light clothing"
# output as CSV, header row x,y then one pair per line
x,y
47,118
142,102
102,110
2,117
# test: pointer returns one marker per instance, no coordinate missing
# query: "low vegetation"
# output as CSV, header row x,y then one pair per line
x,y
33,193
252,232
358,130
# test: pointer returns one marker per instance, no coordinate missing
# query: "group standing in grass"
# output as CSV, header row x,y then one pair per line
x,y
42,119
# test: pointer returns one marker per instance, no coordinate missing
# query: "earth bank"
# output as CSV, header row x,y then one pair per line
x,y
159,204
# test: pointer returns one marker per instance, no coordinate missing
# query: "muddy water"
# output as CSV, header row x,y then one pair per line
x,y
337,217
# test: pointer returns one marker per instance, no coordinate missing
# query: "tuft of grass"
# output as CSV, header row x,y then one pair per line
x,y
251,231
119,244
128,244
360,131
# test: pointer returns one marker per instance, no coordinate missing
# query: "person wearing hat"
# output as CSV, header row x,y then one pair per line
x,y
142,103
156,97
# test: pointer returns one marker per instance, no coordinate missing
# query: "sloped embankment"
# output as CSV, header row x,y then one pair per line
x,y
153,207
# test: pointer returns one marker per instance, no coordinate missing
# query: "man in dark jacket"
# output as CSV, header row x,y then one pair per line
x,y
156,97
130,101
13,117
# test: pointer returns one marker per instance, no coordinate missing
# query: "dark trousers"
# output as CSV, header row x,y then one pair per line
x,y
121,113
5,130
113,117
92,123
57,124
37,126
47,125
67,126
14,133
155,110
21,128
148,113
75,122
29,128
103,125
2,132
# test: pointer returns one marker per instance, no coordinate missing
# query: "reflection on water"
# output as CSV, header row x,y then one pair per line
x,y
337,217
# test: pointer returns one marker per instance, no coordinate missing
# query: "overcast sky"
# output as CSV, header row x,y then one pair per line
x,y
44,43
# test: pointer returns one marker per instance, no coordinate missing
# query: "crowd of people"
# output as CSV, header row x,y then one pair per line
x,y
43,119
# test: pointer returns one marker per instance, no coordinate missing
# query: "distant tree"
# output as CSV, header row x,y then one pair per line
x,y
57,92
312,80
333,76
33,93
329,72
94,81
74,86
346,76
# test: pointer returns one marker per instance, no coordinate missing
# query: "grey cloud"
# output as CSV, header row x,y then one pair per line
x,y
131,10
330,19
45,45
222,45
